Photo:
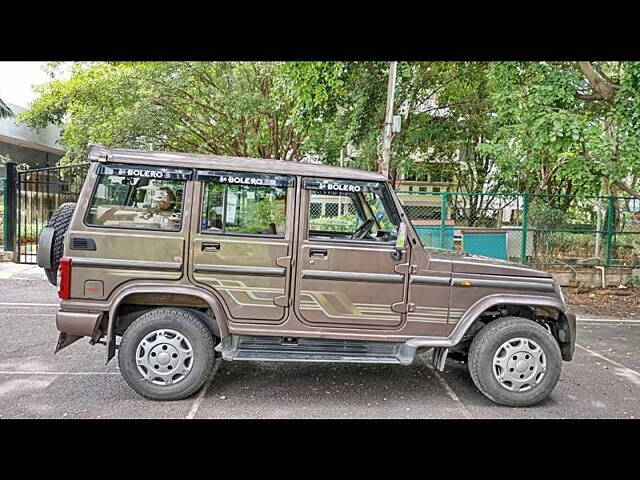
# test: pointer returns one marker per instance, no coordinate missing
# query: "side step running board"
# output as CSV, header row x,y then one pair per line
x,y
275,349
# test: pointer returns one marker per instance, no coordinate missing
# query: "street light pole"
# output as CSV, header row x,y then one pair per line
x,y
388,120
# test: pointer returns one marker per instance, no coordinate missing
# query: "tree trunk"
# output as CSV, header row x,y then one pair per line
x,y
603,88
627,189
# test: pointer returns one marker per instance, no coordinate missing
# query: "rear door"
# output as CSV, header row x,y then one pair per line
x,y
348,273
241,245
130,226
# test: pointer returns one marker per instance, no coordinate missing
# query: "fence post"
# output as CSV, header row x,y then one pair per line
x,y
10,206
610,230
443,217
525,228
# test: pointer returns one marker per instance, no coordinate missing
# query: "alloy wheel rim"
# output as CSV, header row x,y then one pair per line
x,y
519,364
164,357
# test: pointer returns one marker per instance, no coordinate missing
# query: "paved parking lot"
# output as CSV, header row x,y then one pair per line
x,y
603,380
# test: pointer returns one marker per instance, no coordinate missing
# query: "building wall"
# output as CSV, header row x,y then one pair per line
x,y
32,157
21,144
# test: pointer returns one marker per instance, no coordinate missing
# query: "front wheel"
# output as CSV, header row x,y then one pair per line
x,y
166,354
515,361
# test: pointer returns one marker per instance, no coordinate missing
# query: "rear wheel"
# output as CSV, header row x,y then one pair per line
x,y
515,361
166,354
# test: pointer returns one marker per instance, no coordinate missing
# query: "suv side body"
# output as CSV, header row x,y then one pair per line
x,y
290,278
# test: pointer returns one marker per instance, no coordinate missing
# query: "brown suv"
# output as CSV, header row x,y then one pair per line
x,y
187,257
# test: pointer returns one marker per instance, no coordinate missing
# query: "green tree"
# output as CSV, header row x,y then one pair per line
x,y
5,111
226,108
563,127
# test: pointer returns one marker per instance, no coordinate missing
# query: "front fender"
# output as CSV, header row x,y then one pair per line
x,y
566,330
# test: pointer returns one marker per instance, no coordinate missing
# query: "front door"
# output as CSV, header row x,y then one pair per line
x,y
241,248
348,272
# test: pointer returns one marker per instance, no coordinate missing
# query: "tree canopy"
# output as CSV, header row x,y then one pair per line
x,y
5,111
551,127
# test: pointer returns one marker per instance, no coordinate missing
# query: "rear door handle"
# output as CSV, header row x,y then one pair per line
x,y
210,247
317,252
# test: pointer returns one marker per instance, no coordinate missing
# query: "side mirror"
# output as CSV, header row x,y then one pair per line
x,y
401,241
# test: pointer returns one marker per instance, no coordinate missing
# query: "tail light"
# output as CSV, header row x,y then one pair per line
x,y
64,279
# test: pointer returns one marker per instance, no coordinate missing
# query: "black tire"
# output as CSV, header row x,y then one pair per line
x,y
60,222
188,325
487,342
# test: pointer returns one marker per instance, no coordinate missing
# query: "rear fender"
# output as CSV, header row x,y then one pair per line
x,y
213,302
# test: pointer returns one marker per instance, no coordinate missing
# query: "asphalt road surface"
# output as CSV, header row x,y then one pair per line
x,y
603,380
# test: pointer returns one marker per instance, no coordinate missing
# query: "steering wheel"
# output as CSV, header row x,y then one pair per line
x,y
363,229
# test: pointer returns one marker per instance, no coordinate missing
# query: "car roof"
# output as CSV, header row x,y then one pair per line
x,y
194,160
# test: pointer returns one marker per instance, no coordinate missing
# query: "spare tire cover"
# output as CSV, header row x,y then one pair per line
x,y
44,247
59,222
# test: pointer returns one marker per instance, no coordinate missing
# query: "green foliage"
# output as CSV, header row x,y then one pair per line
x,y
540,127
553,135
338,223
544,216
227,108
5,111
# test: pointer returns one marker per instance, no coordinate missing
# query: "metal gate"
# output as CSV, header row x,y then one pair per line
x,y
39,193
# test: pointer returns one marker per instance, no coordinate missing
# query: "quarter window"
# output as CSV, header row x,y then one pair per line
x,y
121,201
248,209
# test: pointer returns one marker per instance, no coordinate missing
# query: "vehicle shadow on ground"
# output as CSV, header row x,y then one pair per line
x,y
339,386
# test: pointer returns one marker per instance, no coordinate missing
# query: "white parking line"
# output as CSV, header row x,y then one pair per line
x,y
198,401
452,395
56,373
612,324
613,362
607,320
28,304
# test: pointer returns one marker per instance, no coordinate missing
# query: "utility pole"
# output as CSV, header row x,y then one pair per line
x,y
388,120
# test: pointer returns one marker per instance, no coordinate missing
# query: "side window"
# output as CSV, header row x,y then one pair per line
x,y
250,209
332,212
136,202
343,210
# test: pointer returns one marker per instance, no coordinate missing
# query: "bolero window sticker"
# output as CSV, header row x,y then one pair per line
x,y
340,186
145,171
245,178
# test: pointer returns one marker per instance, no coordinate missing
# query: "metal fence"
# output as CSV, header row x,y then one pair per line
x,y
3,234
538,230
39,194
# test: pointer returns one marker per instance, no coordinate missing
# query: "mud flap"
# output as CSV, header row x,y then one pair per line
x,y
64,340
439,358
111,348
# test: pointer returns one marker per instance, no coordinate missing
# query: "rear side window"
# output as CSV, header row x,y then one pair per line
x,y
135,198
244,203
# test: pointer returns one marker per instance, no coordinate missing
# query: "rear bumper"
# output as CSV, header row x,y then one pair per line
x,y
81,324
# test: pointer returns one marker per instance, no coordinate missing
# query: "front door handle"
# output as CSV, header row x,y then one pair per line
x,y
210,247
317,252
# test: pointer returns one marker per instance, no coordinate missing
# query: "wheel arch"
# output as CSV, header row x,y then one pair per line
x,y
564,331
217,325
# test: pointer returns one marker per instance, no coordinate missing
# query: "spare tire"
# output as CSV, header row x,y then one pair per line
x,y
57,226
